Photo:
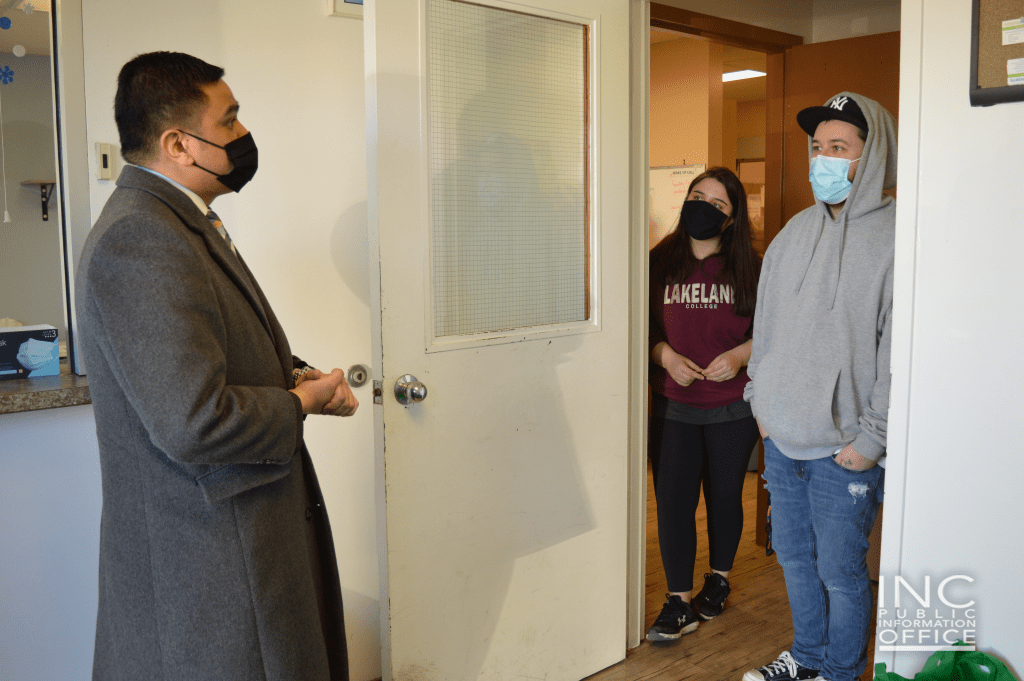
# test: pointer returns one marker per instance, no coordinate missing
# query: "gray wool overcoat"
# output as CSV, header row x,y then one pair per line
x,y
216,557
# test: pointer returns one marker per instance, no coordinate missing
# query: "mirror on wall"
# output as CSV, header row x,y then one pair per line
x,y
44,153
31,262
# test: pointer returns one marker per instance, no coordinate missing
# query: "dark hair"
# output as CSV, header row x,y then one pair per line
x,y
157,91
672,260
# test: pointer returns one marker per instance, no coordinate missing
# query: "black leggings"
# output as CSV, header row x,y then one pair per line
x,y
682,456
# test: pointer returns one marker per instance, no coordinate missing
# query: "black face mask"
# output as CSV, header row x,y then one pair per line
x,y
244,159
701,220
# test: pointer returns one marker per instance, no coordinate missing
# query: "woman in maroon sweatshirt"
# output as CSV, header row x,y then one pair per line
x,y
703,292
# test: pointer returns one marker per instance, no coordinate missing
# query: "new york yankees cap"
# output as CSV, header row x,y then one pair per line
x,y
839,108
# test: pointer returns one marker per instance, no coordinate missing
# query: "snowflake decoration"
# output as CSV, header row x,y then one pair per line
x,y
6,75
5,23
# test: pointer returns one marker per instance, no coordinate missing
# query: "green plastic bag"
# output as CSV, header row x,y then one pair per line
x,y
954,665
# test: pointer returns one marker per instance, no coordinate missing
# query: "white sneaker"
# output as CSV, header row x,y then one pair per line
x,y
785,668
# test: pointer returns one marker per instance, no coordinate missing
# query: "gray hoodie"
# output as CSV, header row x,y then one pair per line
x,y
819,366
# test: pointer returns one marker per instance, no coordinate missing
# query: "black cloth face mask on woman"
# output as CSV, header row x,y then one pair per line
x,y
702,220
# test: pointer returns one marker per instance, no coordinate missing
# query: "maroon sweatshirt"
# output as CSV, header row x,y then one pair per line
x,y
696,319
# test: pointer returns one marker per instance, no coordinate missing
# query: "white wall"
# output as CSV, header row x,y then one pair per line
x,y
300,224
50,533
953,502
838,19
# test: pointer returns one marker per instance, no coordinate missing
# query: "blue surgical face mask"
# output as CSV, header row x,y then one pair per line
x,y
829,178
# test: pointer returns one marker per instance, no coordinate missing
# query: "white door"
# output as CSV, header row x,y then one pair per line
x,y
499,212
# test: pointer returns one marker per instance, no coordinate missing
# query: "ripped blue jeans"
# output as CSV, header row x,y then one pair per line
x,y
822,515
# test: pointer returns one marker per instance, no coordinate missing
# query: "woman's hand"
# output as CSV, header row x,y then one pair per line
x,y
724,367
681,369
728,364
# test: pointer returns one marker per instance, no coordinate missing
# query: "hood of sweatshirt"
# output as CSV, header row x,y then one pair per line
x,y
875,172
819,364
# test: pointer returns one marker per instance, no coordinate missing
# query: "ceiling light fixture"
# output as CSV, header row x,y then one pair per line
x,y
740,75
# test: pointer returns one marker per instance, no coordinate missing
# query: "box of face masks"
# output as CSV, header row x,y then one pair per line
x,y
29,351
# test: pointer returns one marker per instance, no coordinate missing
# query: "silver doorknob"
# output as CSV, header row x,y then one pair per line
x,y
408,390
358,375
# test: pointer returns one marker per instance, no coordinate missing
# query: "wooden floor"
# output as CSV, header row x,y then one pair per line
x,y
753,630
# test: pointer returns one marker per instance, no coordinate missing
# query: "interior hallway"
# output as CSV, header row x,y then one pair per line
x,y
752,631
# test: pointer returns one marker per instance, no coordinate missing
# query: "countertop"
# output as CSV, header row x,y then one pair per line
x,y
47,392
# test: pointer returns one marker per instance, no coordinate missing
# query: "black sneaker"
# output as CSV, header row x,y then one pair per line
x,y
710,601
676,618
783,669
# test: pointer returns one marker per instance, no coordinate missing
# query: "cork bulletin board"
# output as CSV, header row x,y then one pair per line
x,y
997,52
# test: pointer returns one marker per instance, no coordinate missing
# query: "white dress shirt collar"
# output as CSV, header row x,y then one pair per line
x,y
200,204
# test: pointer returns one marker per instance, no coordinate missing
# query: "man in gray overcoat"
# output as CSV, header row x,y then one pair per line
x,y
216,557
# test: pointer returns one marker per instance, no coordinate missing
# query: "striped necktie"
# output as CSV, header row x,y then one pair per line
x,y
219,226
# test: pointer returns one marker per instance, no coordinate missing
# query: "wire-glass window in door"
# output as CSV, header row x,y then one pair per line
x,y
509,160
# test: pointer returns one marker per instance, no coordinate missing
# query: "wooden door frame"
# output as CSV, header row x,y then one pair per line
x,y
639,246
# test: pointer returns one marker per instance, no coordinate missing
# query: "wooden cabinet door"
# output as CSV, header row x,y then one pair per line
x,y
869,66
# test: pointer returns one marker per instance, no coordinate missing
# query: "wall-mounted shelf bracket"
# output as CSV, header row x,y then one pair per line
x,y
45,189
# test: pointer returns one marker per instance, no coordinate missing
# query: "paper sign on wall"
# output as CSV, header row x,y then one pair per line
x,y
1015,71
1013,31
669,186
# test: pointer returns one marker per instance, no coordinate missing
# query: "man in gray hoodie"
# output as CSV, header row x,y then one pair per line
x,y
819,384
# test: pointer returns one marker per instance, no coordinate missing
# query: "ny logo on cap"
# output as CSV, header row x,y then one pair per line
x,y
839,102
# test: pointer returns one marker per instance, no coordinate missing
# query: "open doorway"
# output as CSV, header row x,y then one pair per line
x,y
700,118
750,128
